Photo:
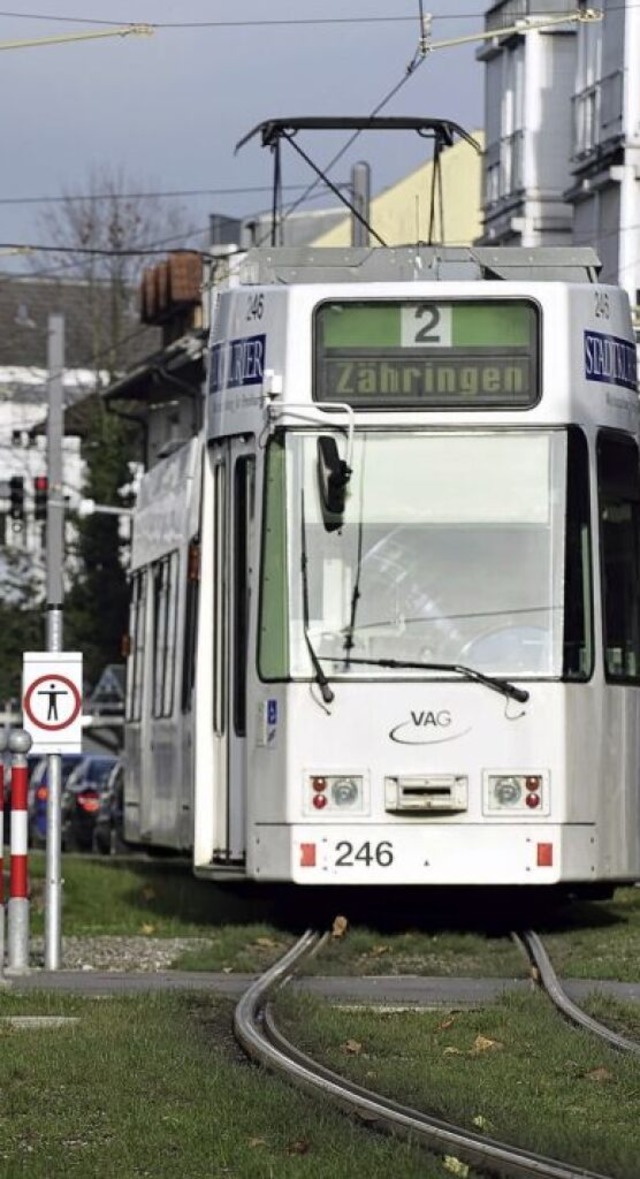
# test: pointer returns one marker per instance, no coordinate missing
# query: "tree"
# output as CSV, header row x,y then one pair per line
x,y
104,231
102,234
21,620
96,605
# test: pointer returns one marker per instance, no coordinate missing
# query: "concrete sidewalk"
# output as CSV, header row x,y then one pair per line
x,y
390,990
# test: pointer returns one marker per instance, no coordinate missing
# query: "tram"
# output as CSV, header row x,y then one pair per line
x,y
385,623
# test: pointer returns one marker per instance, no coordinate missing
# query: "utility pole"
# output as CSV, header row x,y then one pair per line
x,y
55,596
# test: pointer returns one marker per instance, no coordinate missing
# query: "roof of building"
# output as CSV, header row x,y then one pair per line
x,y
27,302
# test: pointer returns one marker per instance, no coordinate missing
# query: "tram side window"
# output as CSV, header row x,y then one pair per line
x,y
578,600
190,624
619,495
244,491
164,633
135,667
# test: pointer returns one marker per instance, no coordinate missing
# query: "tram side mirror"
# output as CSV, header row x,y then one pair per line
x,y
333,479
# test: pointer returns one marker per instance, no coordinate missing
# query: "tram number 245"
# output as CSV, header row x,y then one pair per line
x,y
349,855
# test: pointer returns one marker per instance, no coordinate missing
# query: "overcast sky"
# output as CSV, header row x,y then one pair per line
x,y
168,108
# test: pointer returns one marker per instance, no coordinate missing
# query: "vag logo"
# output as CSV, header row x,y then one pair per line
x,y
426,728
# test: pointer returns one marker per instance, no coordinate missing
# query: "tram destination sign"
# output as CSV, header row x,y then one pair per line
x,y
457,354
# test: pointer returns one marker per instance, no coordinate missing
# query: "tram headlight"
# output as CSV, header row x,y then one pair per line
x,y
507,791
520,793
344,792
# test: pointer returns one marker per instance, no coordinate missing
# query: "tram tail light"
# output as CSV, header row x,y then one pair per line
x,y
335,792
515,793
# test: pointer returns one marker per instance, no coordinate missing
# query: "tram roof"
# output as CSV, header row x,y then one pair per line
x,y
305,264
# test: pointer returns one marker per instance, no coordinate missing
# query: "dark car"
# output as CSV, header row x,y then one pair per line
x,y
108,833
81,800
38,794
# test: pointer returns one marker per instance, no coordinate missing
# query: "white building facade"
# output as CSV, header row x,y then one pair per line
x,y
562,122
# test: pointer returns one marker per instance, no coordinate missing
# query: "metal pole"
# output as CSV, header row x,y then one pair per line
x,y
55,596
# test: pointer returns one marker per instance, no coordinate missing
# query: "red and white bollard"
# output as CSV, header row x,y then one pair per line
x,y
3,746
18,908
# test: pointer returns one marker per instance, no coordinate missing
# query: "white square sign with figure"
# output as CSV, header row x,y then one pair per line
x,y
52,700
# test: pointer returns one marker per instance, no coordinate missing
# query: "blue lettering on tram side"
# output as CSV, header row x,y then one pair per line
x,y
611,360
236,363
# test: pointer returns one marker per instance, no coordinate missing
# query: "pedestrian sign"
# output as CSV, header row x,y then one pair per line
x,y
52,700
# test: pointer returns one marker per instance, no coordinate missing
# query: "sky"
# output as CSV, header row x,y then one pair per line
x,y
166,109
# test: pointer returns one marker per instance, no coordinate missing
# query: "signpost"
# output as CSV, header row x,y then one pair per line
x,y
52,700
52,716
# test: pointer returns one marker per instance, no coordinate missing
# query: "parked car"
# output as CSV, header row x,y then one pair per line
x,y
81,800
108,833
38,794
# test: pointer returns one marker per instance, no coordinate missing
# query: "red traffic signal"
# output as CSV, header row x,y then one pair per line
x,y
40,496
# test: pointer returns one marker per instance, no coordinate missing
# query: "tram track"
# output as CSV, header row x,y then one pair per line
x,y
256,1030
544,974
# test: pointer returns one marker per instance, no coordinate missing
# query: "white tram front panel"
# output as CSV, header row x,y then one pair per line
x,y
432,689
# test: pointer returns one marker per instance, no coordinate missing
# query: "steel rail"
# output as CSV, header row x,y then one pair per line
x,y
548,979
256,1031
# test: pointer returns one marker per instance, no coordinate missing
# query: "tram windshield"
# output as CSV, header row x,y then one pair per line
x,y
454,548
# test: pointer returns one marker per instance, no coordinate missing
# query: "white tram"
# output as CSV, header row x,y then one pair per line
x,y
385,612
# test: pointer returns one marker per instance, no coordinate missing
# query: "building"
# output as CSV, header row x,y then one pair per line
x,y
562,125
422,208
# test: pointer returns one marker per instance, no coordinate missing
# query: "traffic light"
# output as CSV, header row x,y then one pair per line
x,y
40,494
16,501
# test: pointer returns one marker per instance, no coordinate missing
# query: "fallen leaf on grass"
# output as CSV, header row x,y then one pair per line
x,y
300,1146
481,1123
148,928
353,1047
253,1142
377,951
451,1051
455,1166
267,942
484,1044
339,927
598,1074
447,1023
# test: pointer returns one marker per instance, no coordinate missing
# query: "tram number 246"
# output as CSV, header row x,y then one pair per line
x,y
349,855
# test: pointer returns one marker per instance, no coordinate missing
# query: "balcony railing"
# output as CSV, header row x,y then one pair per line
x,y
597,114
504,168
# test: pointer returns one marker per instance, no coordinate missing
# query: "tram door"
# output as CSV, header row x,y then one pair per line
x,y
234,497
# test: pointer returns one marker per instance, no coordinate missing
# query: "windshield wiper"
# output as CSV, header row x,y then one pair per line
x,y
469,673
323,683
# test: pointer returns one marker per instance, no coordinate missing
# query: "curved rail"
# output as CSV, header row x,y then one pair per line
x,y
539,959
255,1029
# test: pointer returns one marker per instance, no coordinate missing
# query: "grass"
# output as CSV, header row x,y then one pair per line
x,y
155,1087
513,1070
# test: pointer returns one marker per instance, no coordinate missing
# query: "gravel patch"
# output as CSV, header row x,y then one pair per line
x,y
129,954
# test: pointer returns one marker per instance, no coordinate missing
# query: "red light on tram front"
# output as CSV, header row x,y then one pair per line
x,y
319,801
544,855
532,801
307,855
319,784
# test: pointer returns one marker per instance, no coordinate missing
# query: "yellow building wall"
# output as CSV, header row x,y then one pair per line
x,y
401,214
